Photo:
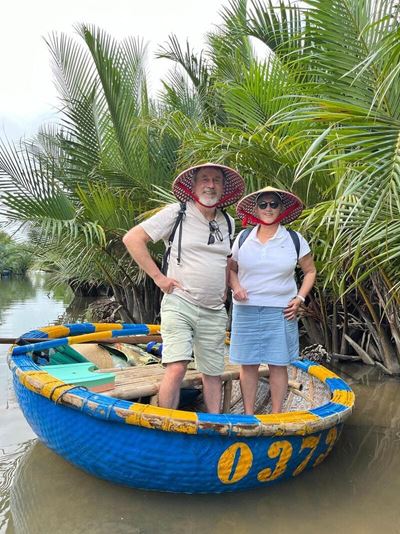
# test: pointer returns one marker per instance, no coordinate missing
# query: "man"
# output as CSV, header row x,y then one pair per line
x,y
193,316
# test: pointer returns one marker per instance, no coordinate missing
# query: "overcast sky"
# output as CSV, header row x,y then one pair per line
x,y
27,95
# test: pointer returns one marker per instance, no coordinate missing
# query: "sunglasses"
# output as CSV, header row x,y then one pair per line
x,y
263,205
215,233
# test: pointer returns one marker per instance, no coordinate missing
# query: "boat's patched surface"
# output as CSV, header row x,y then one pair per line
x,y
174,450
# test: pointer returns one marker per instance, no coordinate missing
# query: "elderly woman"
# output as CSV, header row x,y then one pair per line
x,y
265,296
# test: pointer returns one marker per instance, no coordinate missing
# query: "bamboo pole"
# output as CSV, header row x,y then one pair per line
x,y
133,340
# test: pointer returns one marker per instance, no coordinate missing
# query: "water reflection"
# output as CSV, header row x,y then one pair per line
x,y
355,490
10,457
25,303
28,302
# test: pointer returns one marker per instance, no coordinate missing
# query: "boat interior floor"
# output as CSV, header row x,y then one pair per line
x,y
142,383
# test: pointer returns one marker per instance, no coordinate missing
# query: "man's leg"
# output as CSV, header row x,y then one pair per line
x,y
278,383
209,348
212,392
248,385
170,387
176,331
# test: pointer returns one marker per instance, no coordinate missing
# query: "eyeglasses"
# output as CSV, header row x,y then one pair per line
x,y
263,205
215,232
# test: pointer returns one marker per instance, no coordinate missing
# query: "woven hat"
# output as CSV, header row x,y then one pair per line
x,y
246,208
234,185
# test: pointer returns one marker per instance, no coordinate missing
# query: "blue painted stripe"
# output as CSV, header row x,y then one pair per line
x,y
83,328
107,407
32,334
134,330
214,420
114,407
337,383
40,346
304,365
329,409
25,363
243,419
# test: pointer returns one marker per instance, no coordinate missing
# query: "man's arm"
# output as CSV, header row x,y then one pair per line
x,y
239,293
136,241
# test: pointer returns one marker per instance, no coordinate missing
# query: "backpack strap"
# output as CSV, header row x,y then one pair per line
x,y
294,235
244,235
296,241
229,223
167,253
178,223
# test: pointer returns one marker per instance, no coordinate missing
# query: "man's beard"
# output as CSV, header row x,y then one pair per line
x,y
209,200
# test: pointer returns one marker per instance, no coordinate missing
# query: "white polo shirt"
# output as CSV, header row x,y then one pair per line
x,y
202,271
266,270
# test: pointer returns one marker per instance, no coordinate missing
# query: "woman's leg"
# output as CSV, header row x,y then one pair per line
x,y
278,383
248,385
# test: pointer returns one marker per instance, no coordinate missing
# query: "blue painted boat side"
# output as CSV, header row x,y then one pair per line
x,y
156,460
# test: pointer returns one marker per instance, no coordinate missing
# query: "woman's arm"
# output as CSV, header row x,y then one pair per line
x,y
310,273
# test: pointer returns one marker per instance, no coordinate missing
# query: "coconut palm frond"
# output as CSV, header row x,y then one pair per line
x,y
30,189
279,26
194,65
344,34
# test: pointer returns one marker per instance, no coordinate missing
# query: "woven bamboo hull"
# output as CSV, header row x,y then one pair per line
x,y
152,448
157,460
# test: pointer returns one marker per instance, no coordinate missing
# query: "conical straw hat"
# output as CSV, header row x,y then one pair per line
x,y
246,208
234,185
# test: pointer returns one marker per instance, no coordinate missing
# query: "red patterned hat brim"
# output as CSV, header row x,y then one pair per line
x,y
246,208
234,185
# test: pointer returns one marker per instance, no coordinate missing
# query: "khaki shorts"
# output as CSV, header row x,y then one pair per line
x,y
187,328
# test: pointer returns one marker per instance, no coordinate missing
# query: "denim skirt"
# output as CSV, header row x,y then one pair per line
x,y
262,334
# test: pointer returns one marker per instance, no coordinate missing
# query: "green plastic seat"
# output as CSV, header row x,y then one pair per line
x,y
81,374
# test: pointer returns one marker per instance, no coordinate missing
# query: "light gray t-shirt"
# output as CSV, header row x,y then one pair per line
x,y
202,271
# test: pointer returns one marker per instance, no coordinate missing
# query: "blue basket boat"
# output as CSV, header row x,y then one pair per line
x,y
153,448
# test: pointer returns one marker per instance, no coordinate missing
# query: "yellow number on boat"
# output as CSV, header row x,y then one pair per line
x,y
330,441
311,442
235,463
281,450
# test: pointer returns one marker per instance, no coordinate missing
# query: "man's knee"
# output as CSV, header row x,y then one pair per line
x,y
176,370
211,379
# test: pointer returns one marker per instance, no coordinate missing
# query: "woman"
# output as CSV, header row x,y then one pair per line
x,y
265,295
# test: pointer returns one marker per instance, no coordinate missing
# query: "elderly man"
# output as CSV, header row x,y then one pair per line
x,y
193,316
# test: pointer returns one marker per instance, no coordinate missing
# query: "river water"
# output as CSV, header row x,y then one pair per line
x,y
356,490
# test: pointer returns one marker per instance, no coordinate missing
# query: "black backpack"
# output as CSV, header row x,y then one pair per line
x,y
178,223
294,235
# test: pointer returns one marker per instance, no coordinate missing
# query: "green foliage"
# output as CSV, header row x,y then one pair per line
x,y
15,258
302,96
316,112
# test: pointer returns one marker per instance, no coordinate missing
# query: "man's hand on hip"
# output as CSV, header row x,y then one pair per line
x,y
167,285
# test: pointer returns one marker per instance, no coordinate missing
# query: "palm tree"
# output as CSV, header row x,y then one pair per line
x,y
318,113
312,108
80,185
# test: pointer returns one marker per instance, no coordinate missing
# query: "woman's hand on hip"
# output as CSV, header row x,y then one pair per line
x,y
292,309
